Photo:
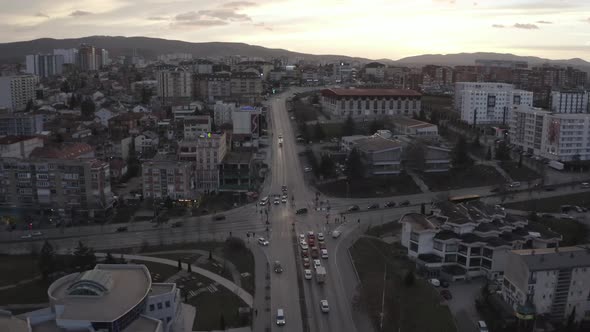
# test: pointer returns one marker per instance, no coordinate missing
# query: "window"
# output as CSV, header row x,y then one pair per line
x,y
167,304
413,247
168,319
159,305
438,245
151,307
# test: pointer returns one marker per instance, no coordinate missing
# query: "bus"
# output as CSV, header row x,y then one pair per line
x,y
464,198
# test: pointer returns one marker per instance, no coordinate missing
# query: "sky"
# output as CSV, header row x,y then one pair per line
x,y
555,29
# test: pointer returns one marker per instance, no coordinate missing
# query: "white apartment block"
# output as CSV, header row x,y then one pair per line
x,y
44,65
554,281
165,176
111,297
69,54
16,91
174,84
556,136
488,103
368,103
569,101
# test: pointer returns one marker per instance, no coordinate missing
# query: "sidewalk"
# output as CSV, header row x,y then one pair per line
x,y
419,182
262,320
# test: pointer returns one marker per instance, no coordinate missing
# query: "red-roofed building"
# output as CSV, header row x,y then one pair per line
x,y
370,103
19,146
65,151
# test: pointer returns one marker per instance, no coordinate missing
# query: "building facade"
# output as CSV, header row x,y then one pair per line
x,y
21,124
16,91
70,55
44,65
222,112
206,152
488,103
19,146
569,102
369,103
165,176
174,85
246,87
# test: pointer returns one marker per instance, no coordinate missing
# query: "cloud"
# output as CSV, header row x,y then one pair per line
x,y
586,20
239,4
77,13
225,14
157,18
188,16
41,15
202,23
526,26
498,26
262,25
544,22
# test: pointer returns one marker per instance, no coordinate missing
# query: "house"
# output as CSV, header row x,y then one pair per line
x,y
124,124
118,168
146,142
236,172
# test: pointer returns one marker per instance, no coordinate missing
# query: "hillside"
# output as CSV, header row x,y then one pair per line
x,y
469,59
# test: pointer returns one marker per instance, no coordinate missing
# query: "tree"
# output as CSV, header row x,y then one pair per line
x,y
318,131
348,127
409,278
327,165
84,257
74,102
459,156
88,107
415,156
375,126
65,87
29,106
489,153
47,260
354,165
502,152
222,323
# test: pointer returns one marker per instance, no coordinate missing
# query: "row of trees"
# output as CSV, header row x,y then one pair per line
x,y
83,259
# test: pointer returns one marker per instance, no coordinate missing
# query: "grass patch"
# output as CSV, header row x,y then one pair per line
x,y
376,186
551,204
304,111
33,292
573,232
16,268
522,173
476,176
390,228
405,306
211,306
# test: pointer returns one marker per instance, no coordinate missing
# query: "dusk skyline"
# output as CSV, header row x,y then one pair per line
x,y
373,28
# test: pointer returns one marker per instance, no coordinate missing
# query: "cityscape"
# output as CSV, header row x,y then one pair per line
x,y
155,184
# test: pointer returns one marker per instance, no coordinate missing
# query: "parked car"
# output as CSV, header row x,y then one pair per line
x,y
277,267
353,208
585,185
219,217
515,184
122,229
262,241
482,326
307,274
404,203
321,237
549,188
177,224
301,211
373,206
324,306
446,294
434,282
307,169
390,204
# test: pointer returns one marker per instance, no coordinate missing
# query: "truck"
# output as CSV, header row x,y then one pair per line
x,y
556,165
320,274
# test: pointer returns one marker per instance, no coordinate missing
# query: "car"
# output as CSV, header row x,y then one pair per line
x,y
177,224
514,184
585,185
336,234
277,267
316,263
276,202
37,233
301,237
306,262
122,229
324,253
373,206
434,282
263,201
566,216
549,188
219,217
284,196
307,169
281,317
322,245
284,201
446,294
307,274
26,236
262,241
280,136
304,245
311,241
284,188
321,237
304,253
482,326
404,203
301,211
444,284
353,208
390,204
324,306
311,235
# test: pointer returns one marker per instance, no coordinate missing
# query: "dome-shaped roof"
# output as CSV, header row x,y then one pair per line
x,y
93,282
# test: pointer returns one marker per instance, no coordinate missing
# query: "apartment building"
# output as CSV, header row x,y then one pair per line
x,y
368,103
213,87
236,172
465,240
19,146
167,176
70,186
44,65
16,91
488,103
206,152
195,126
222,112
246,87
555,136
20,124
375,71
110,297
569,101
553,281
174,85
70,55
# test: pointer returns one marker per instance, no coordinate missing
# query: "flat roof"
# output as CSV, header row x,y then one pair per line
x,y
376,143
371,93
234,157
419,221
130,285
13,324
143,324
554,258
162,288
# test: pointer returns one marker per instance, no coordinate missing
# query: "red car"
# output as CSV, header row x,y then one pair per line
x,y
322,245
306,263
314,252
311,242
304,253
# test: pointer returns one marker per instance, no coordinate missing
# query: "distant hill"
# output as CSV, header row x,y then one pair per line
x,y
152,47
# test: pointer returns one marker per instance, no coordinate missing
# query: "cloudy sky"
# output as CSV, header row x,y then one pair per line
x,y
369,28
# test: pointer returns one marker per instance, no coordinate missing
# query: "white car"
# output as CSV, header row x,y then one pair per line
x,y
26,236
316,263
336,234
324,253
307,169
324,306
262,241
515,184
321,237
284,201
276,201
301,237
434,282
263,201
303,245
307,274
37,233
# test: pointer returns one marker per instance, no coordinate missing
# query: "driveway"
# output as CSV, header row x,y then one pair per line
x,y
462,305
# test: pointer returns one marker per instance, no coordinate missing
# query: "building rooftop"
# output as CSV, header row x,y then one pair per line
x,y
64,151
376,144
103,294
143,324
409,122
6,140
371,93
454,212
162,288
554,258
419,221
10,323
234,157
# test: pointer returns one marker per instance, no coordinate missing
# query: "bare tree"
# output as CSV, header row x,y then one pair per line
x,y
415,156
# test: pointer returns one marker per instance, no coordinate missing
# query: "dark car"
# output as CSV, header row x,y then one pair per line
x,y
353,208
444,284
446,294
301,211
219,217
177,224
404,203
373,207
122,229
549,188
390,204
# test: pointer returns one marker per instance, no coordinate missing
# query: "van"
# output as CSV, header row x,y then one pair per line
x,y
482,327
280,317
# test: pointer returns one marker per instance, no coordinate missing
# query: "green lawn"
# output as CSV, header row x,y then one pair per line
x,y
33,292
16,268
551,204
211,306
573,232
406,307
376,186
522,173
476,176
386,229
